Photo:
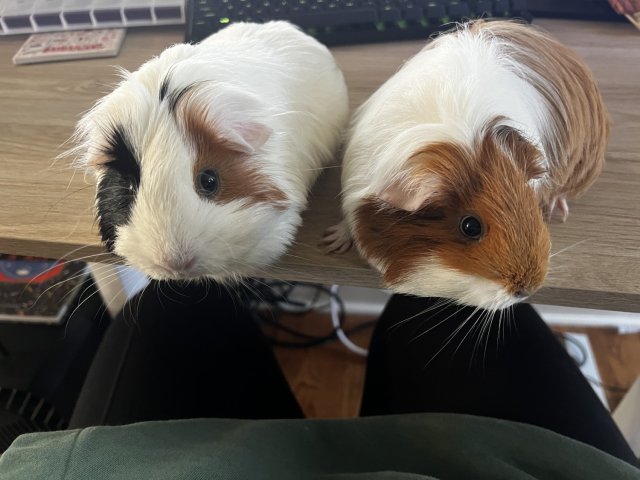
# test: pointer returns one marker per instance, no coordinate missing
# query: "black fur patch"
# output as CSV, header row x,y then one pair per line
x,y
172,97
175,97
118,187
164,86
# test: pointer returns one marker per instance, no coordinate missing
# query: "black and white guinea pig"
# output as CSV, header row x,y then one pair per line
x,y
451,167
204,156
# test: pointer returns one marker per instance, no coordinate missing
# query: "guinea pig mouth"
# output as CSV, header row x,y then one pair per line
x,y
178,269
490,296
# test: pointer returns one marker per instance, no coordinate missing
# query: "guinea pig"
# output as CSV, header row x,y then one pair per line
x,y
453,165
204,156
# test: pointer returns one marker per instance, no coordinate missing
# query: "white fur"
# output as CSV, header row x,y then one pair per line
x,y
448,92
440,281
270,89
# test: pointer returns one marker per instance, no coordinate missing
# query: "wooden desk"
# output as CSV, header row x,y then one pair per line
x,y
46,212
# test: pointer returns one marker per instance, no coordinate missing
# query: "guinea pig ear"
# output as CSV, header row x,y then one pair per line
x,y
414,187
246,137
525,154
235,117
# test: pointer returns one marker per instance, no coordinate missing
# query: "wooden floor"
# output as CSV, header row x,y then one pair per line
x,y
618,359
328,380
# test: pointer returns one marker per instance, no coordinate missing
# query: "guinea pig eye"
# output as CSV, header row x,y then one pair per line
x,y
470,227
208,182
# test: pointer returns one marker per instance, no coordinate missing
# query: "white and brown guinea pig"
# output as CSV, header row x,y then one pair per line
x,y
205,155
452,165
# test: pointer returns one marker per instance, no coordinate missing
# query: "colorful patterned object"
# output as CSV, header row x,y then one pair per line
x,y
14,269
38,289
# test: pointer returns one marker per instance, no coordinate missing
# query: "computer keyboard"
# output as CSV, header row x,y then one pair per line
x,y
342,22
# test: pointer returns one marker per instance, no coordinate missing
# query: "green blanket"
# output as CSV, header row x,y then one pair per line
x,y
421,446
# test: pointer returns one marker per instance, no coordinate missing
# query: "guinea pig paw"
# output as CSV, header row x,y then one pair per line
x,y
560,205
336,239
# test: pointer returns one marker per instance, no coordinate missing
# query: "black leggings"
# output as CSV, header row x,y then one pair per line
x,y
193,351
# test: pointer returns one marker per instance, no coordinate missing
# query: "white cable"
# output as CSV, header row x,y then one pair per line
x,y
335,319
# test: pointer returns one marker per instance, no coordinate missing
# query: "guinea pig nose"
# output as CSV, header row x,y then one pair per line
x,y
180,264
521,294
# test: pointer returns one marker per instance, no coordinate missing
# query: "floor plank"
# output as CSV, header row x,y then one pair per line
x,y
327,380
618,358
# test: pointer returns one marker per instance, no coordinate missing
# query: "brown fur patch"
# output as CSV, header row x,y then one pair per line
x,y
515,244
523,152
573,98
239,173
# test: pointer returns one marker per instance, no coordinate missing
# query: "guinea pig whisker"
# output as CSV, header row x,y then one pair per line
x,y
489,321
477,322
557,268
71,252
302,244
421,334
490,316
568,248
70,317
275,269
141,295
81,303
478,341
481,326
462,325
56,264
321,168
258,293
159,292
180,294
510,320
252,289
497,313
93,256
117,295
198,281
447,341
438,304
234,293
141,286
115,187
64,299
207,285
57,284
458,329
298,257
436,308
501,318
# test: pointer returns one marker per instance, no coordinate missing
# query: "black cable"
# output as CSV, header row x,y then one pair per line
x,y
273,295
584,356
320,340
265,292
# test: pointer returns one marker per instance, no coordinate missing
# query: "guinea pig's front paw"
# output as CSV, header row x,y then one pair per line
x,y
336,239
558,204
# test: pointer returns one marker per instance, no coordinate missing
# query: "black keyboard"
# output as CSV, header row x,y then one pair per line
x,y
343,22
575,9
